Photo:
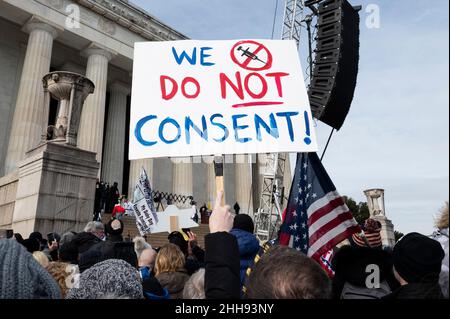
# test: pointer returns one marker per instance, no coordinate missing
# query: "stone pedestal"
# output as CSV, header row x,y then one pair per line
x,y
56,189
387,230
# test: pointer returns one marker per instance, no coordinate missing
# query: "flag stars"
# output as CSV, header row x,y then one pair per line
x,y
309,186
314,195
297,238
305,166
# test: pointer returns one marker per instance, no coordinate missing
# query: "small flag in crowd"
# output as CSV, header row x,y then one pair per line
x,y
325,263
143,206
317,218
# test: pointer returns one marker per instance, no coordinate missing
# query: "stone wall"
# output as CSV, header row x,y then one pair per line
x,y
8,190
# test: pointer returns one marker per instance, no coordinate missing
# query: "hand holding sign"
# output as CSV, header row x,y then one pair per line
x,y
221,219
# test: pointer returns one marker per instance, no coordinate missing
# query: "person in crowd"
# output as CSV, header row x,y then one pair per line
x,y
114,231
284,273
118,211
441,235
109,279
146,257
153,289
128,206
104,188
18,237
371,236
170,271
41,258
417,266
38,236
21,276
351,273
68,252
243,228
113,198
195,212
93,233
67,237
31,245
236,208
97,202
52,247
194,255
62,273
195,286
112,248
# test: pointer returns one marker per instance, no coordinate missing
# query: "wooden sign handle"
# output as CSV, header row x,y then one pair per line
x,y
218,169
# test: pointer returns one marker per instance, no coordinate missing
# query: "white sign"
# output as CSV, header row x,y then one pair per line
x,y
184,219
143,206
193,98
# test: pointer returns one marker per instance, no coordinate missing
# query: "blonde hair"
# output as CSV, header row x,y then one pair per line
x,y
195,286
60,272
41,258
442,220
170,258
140,245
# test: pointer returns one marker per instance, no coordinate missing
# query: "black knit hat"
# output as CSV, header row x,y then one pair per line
x,y
244,222
177,238
418,258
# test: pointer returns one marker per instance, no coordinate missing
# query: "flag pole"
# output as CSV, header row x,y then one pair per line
x,y
218,170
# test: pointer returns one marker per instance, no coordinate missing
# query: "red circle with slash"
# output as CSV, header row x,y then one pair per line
x,y
251,55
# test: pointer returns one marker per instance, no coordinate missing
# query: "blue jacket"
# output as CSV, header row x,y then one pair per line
x,y
248,248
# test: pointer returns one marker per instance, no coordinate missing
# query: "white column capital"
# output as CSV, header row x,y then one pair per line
x,y
120,87
97,49
38,23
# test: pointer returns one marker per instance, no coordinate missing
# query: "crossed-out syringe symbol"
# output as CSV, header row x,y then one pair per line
x,y
249,54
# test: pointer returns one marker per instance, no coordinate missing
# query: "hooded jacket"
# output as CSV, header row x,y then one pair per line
x,y
248,248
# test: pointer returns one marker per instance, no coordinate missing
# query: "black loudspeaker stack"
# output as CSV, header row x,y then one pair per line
x,y
336,62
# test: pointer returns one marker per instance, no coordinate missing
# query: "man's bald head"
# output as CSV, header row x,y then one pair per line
x,y
147,258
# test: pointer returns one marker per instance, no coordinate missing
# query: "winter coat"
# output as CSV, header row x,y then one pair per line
x,y
417,291
442,237
174,282
248,248
83,241
351,273
222,280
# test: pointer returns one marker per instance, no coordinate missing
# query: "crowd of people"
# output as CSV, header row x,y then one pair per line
x,y
97,263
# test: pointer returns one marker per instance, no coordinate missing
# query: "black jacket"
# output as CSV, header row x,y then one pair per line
x,y
222,280
417,291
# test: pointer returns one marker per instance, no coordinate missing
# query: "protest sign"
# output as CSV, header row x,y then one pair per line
x,y
192,98
143,206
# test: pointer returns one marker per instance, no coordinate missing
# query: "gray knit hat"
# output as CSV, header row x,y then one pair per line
x,y
21,276
109,279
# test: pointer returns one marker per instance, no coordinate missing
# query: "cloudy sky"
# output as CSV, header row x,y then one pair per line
x,y
396,135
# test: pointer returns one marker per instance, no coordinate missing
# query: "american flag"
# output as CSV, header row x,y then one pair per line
x,y
317,218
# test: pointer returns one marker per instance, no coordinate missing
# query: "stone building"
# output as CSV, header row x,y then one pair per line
x,y
94,38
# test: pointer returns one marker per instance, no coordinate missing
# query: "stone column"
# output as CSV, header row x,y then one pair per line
x,y
30,114
112,166
182,176
243,189
135,171
90,136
